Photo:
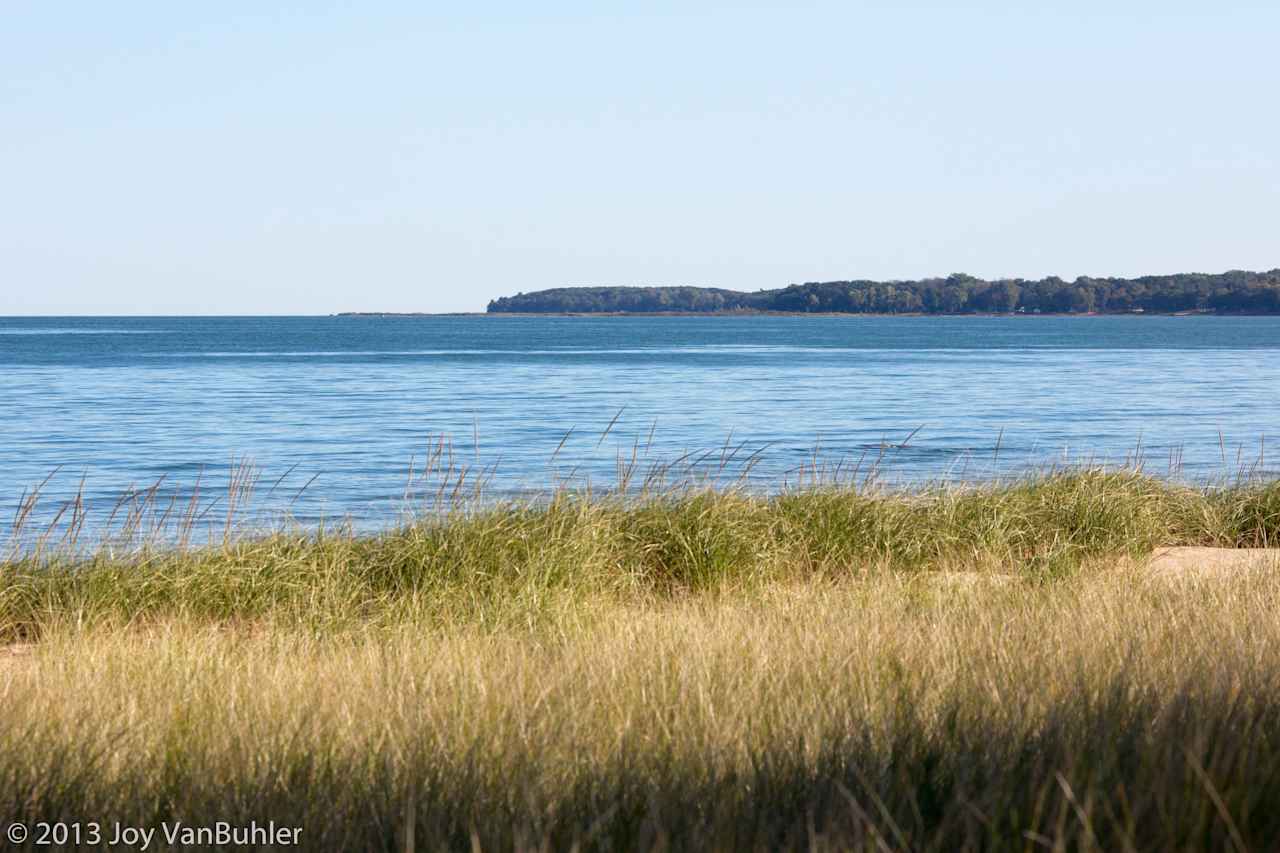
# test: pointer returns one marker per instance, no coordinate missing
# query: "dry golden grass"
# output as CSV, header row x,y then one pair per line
x,y
1109,709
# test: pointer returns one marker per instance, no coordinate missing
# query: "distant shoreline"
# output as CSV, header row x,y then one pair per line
x,y
1231,292
825,314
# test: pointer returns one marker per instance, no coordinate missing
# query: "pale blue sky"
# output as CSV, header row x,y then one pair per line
x,y
218,158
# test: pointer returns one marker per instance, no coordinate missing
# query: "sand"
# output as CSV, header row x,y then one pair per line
x,y
1212,561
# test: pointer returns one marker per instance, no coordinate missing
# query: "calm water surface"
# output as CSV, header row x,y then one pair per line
x,y
123,402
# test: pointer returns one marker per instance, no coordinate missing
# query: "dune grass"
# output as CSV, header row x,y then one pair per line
x,y
979,668
493,563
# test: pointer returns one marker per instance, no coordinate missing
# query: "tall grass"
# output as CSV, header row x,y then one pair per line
x,y
1105,711
833,667
496,562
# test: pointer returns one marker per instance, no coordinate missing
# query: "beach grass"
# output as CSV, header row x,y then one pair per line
x,y
489,563
981,667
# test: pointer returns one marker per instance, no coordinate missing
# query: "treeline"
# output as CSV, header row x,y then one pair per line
x,y
1235,292
631,299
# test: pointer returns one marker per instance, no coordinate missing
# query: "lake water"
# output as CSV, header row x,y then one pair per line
x,y
350,401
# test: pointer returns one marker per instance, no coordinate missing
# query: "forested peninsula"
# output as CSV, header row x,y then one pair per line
x,y
1235,292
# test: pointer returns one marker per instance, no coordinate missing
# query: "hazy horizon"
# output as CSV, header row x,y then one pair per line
x,y
171,161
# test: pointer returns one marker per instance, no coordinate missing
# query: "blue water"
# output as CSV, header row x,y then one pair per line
x,y
350,401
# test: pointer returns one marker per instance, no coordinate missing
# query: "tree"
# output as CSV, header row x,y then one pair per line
x,y
1080,300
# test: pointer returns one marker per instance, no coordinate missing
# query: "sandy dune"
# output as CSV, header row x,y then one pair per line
x,y
1185,560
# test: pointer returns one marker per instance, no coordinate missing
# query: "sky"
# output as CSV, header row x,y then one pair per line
x,y
272,158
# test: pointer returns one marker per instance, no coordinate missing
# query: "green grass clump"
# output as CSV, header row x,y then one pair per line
x,y
515,562
1248,517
